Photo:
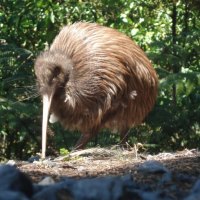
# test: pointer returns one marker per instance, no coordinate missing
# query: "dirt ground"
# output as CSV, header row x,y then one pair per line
x,y
97,162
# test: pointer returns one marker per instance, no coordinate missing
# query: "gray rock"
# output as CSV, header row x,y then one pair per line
x,y
97,188
14,180
150,195
11,162
152,166
195,192
10,195
16,185
47,181
34,158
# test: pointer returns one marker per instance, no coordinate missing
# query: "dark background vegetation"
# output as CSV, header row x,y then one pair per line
x,y
167,30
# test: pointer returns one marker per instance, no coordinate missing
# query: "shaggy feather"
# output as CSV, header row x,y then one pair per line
x,y
104,79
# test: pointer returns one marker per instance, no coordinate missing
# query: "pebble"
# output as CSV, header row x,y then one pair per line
x,y
47,181
11,162
34,158
152,166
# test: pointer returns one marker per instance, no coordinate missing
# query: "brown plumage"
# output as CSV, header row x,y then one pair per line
x,y
95,77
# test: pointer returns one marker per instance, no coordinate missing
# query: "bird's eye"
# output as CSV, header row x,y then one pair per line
x,y
56,71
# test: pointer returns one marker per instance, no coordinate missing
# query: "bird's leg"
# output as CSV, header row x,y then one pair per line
x,y
124,137
83,140
96,140
86,137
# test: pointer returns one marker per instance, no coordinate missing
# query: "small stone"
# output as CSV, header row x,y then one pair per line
x,y
49,163
47,181
81,168
34,158
152,166
11,162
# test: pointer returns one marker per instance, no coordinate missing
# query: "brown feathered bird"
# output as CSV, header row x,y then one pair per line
x,y
95,77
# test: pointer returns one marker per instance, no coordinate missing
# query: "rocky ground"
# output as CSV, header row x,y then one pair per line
x,y
137,176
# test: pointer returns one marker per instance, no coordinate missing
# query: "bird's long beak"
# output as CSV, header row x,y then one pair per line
x,y
46,107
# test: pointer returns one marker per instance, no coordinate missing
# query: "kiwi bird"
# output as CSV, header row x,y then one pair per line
x,y
94,77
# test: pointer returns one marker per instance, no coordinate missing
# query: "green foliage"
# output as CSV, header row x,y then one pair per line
x,y
64,152
17,114
169,33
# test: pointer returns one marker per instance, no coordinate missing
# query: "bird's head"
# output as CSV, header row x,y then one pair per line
x,y
53,71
